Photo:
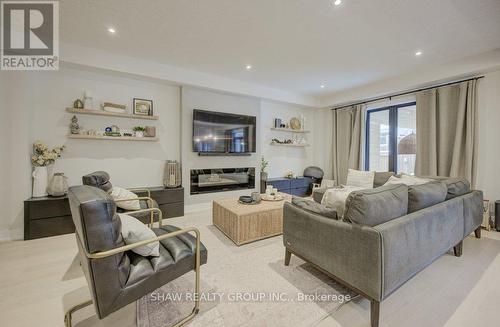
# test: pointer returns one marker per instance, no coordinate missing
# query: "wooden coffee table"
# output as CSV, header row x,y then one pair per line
x,y
245,223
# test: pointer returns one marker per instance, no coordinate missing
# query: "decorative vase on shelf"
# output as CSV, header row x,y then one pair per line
x,y
139,134
40,177
58,185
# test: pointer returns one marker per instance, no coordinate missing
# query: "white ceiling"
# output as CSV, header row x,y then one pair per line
x,y
293,45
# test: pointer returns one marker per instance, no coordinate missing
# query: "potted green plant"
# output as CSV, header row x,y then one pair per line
x,y
139,131
263,165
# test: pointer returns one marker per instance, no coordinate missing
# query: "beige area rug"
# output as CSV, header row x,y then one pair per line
x,y
309,296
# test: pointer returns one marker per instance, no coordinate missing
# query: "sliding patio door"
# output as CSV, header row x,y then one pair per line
x,y
391,139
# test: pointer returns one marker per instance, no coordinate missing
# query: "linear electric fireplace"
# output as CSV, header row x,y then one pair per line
x,y
221,179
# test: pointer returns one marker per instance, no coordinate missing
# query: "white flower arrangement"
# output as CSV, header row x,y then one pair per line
x,y
42,156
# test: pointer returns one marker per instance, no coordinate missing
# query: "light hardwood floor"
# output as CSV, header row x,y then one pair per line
x,y
40,278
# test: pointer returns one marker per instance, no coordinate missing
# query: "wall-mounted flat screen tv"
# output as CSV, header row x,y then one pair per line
x,y
219,132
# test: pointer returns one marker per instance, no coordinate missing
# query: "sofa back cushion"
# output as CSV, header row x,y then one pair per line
x,y
426,195
315,207
456,186
376,206
381,178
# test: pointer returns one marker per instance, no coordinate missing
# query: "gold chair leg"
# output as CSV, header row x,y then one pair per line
x,y
69,313
196,308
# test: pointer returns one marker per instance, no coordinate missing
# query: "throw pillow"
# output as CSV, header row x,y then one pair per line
x,y
407,180
119,193
336,198
359,178
314,207
133,231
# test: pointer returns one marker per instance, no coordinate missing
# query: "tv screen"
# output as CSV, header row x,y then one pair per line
x,y
218,132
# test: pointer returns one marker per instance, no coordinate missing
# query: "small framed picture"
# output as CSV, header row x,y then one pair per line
x,y
143,107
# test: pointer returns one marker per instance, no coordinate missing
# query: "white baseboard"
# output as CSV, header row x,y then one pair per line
x,y
197,207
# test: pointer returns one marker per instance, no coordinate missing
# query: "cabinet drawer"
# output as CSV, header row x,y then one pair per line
x,y
168,195
280,184
51,227
299,182
300,191
172,210
48,208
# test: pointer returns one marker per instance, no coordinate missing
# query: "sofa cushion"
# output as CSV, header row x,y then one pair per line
x,y
376,206
456,186
314,207
426,195
360,178
407,180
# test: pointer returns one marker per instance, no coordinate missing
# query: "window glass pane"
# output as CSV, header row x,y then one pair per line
x,y
407,139
379,141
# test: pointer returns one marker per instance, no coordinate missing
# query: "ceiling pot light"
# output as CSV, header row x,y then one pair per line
x,y
111,30
418,53
248,67
337,2
322,86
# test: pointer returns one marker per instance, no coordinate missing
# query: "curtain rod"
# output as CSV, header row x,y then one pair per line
x,y
406,93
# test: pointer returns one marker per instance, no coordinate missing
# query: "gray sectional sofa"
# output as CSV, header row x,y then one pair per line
x,y
386,236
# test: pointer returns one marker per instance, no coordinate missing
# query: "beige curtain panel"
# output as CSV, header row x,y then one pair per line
x,y
447,131
347,139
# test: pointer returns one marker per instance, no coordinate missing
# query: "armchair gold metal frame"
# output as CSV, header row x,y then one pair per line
x,y
105,254
140,190
150,204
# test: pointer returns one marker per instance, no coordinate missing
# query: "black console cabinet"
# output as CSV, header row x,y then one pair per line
x,y
51,216
300,186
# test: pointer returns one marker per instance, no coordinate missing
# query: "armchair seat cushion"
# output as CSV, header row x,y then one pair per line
x,y
177,256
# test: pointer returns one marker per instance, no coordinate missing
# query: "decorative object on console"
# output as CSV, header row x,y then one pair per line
x,y
172,176
263,165
150,131
58,185
88,100
139,131
78,104
289,174
295,124
41,158
486,215
143,107
114,107
74,127
277,122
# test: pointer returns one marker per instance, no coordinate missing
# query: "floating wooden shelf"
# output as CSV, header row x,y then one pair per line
x,y
290,130
110,114
292,145
112,138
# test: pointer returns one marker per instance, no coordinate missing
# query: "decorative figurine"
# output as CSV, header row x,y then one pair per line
x,y
75,128
78,104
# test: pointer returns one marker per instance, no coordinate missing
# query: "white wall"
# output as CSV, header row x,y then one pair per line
x,y
129,163
489,135
281,158
193,98
33,108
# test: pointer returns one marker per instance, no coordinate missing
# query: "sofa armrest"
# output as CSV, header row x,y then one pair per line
x,y
412,242
350,252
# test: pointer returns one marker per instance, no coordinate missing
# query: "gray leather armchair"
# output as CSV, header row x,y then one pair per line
x,y
101,179
115,275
